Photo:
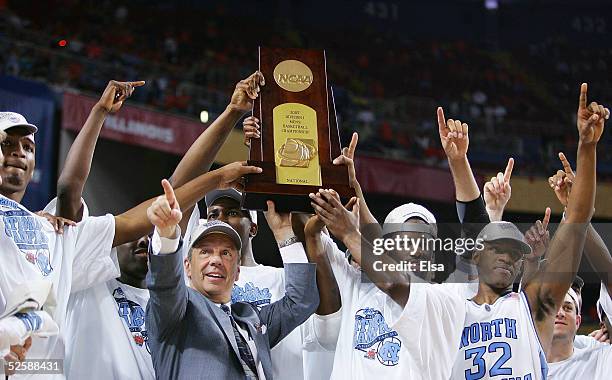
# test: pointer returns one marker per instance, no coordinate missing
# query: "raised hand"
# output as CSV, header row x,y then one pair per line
x,y
497,192
538,237
348,158
590,119
57,222
251,129
341,221
279,223
561,182
314,226
165,212
116,93
230,175
245,92
601,335
454,136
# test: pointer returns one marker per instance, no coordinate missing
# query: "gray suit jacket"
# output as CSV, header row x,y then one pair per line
x,y
190,337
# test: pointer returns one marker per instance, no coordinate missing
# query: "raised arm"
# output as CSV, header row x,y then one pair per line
x,y
201,155
455,141
595,249
546,291
598,256
343,223
168,302
471,210
329,293
497,192
301,297
78,162
348,158
538,239
133,224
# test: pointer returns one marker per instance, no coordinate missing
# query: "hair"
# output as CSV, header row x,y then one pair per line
x,y
2,136
577,284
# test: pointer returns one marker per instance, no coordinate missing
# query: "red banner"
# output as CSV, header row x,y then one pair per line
x,y
174,134
135,125
385,176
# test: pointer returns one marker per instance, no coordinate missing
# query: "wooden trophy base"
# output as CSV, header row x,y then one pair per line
x,y
263,187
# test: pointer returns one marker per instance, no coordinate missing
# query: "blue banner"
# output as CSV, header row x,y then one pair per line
x,y
35,101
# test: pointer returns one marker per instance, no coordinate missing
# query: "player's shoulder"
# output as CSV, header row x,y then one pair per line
x,y
260,270
584,341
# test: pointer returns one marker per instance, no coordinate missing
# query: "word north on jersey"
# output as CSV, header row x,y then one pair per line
x,y
485,331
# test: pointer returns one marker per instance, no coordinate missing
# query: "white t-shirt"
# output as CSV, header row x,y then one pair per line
x,y
592,361
77,259
111,315
107,322
584,341
260,286
368,346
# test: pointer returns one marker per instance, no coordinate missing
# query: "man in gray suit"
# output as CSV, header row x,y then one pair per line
x,y
195,332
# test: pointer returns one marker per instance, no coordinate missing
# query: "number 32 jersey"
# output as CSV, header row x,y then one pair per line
x,y
499,342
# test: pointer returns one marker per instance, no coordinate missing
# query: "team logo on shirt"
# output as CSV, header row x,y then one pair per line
x,y
251,294
25,230
134,317
374,337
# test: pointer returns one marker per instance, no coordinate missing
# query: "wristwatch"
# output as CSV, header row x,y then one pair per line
x,y
292,240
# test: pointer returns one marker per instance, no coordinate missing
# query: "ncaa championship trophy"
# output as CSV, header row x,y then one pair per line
x,y
299,133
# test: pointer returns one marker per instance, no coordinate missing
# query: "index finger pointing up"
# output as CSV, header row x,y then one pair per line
x,y
169,192
582,103
567,168
546,219
352,145
508,171
441,121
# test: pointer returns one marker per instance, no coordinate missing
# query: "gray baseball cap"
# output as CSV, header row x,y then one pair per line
x,y
215,227
495,231
234,194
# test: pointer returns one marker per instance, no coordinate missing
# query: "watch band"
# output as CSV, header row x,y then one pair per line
x,y
292,240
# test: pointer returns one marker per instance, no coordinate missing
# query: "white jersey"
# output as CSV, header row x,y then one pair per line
x,y
368,346
499,341
453,338
75,260
107,322
592,361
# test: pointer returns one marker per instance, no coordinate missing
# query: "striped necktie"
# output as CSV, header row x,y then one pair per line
x,y
247,360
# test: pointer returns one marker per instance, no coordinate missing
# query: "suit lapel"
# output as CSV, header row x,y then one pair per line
x,y
224,323
247,317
